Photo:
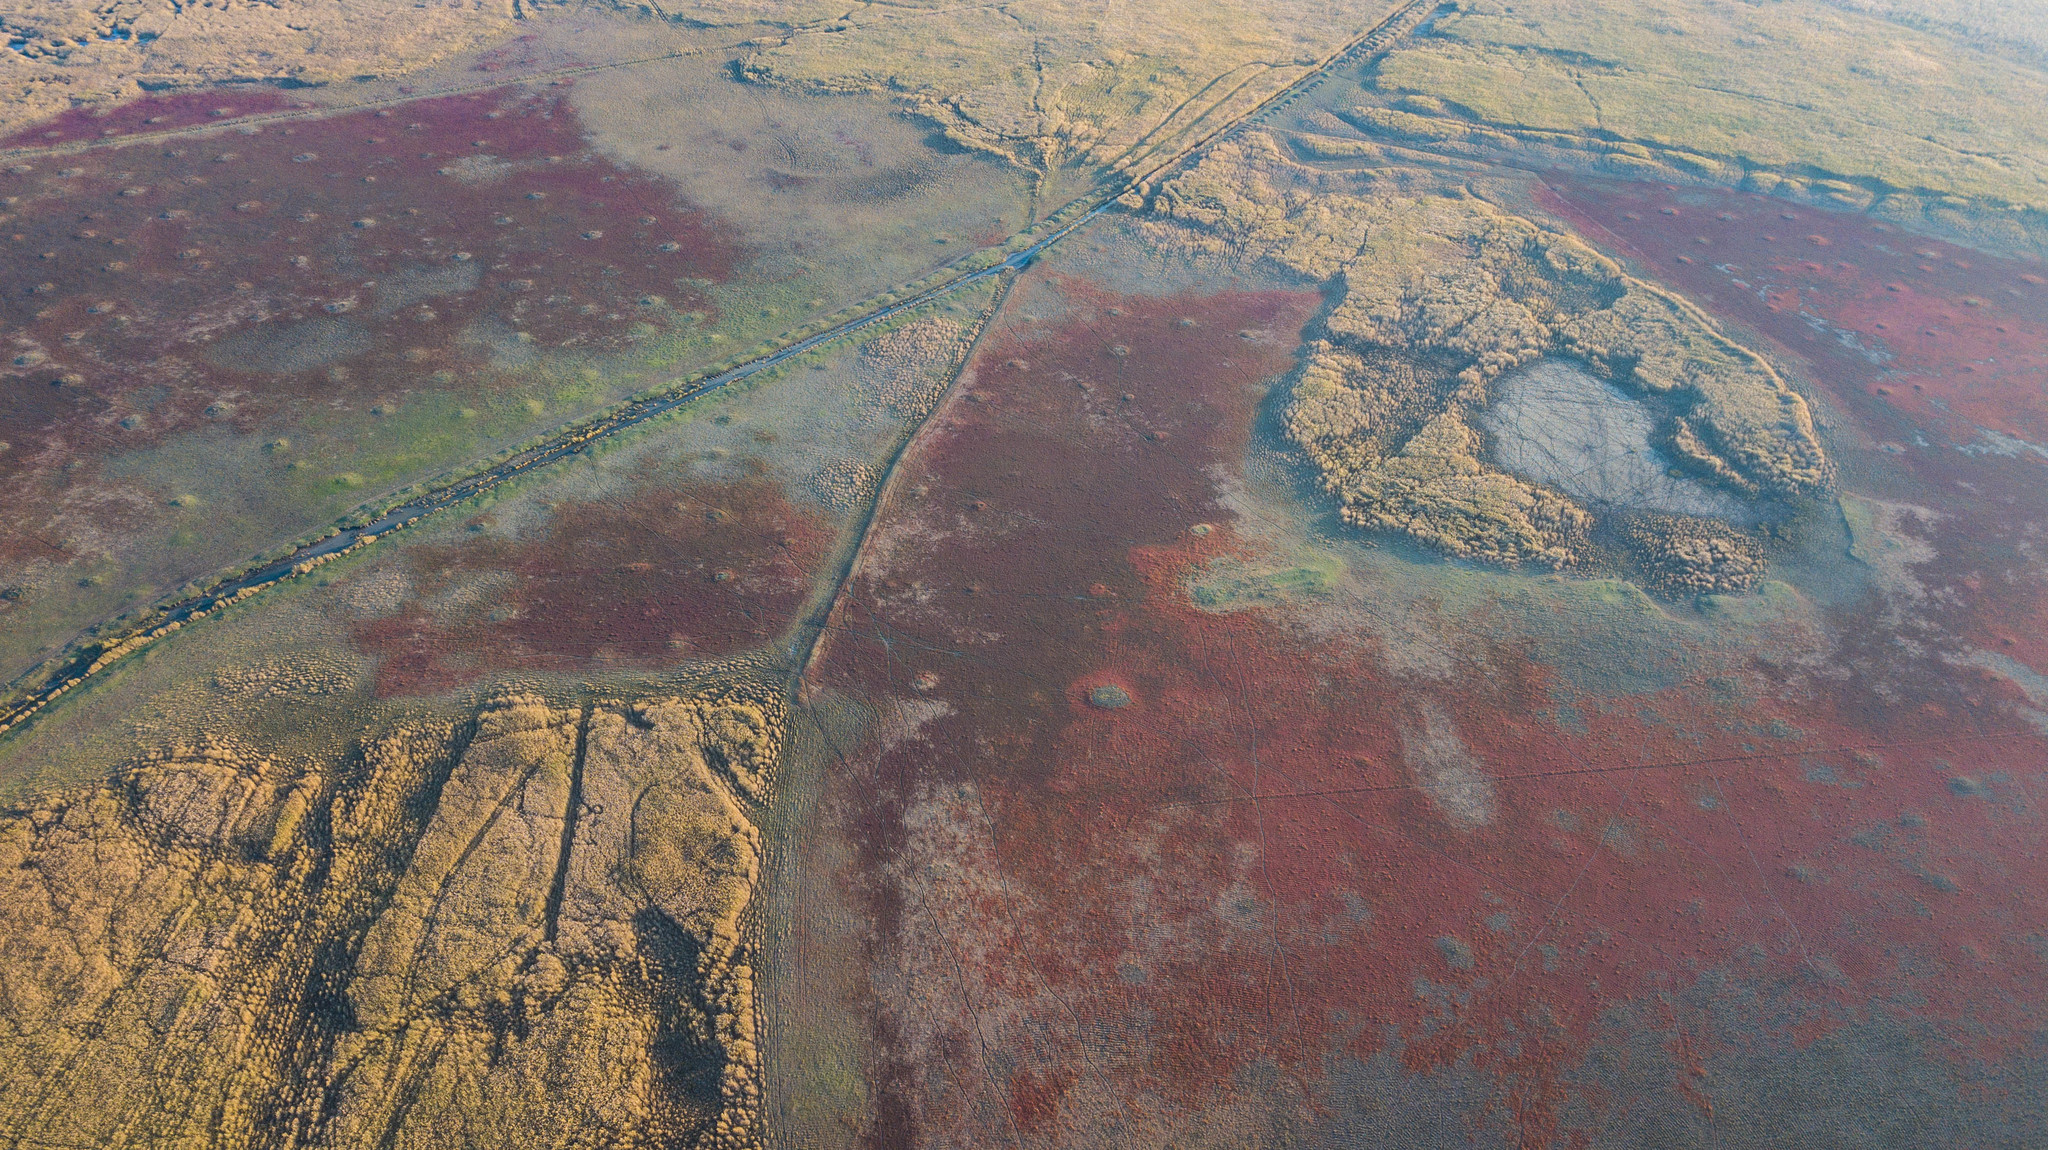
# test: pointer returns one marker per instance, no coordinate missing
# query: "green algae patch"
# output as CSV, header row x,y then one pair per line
x,y
1231,585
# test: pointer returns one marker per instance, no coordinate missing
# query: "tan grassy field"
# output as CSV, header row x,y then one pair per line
x,y
1798,89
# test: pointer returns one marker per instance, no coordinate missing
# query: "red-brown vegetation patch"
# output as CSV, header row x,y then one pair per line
x,y
150,114
250,279
1283,849
1810,846
666,576
1938,351
1956,339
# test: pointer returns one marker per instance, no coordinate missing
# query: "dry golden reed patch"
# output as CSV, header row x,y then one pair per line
x,y
526,923
1441,293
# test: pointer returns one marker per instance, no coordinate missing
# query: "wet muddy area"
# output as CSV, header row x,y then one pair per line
x,y
1124,852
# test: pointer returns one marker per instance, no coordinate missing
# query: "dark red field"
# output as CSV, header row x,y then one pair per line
x,y
314,266
1937,352
1127,925
152,114
1956,340
669,575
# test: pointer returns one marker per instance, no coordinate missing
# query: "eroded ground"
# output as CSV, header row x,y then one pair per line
x,y
380,944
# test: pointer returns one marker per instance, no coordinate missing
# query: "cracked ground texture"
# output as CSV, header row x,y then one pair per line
x,y
1554,424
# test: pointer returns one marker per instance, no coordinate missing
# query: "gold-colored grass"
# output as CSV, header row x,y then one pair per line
x,y
1442,292
1725,88
460,934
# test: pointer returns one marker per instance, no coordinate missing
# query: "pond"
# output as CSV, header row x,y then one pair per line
x,y
1555,424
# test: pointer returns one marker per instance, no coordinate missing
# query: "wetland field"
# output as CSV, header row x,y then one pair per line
x,y
1188,575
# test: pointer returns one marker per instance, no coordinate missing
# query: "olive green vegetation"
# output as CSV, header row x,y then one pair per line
x,y
1230,585
245,901
823,425
1044,88
2014,29
446,922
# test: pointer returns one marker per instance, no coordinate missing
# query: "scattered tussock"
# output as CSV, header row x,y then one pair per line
x,y
845,484
895,369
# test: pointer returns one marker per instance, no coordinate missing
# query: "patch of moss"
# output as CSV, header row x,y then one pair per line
x,y
1229,585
